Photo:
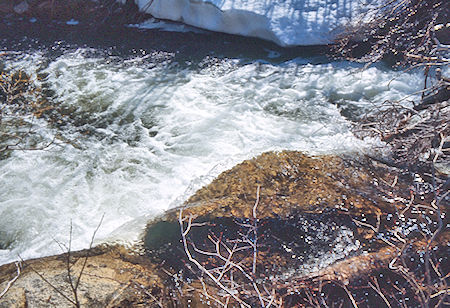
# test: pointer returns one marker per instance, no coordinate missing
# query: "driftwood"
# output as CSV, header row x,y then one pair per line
x,y
352,269
415,134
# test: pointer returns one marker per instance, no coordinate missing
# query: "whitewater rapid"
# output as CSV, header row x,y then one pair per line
x,y
145,132
285,22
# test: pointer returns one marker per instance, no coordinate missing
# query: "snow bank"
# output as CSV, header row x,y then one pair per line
x,y
286,22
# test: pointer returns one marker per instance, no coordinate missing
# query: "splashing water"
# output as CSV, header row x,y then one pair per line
x,y
146,131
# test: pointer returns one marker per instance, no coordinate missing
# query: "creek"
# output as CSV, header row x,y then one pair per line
x,y
152,116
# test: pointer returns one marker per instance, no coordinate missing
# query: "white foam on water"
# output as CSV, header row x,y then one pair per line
x,y
148,134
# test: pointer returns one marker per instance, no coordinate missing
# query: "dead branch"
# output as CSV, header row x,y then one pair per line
x,y
353,268
405,31
21,103
11,282
234,265
376,287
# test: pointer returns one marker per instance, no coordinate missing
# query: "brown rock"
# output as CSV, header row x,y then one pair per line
x,y
113,277
304,204
289,182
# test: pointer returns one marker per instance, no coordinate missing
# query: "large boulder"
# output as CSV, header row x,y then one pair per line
x,y
278,226
305,210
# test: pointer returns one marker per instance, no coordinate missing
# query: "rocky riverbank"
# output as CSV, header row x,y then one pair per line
x,y
281,224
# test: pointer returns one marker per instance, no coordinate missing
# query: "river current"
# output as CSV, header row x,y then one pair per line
x,y
155,115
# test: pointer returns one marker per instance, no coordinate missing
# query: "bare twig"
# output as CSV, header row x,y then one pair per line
x,y
11,282
229,268
376,287
350,296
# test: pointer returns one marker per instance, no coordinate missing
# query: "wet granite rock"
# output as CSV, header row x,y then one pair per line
x,y
290,180
305,212
113,277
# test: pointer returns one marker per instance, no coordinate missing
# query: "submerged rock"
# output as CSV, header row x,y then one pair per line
x,y
289,181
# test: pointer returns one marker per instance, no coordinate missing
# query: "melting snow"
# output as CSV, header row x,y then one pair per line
x,y
286,22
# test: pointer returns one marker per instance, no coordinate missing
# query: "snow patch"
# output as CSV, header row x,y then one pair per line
x,y
165,26
285,22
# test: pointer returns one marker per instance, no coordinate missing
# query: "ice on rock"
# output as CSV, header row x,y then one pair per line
x,y
285,22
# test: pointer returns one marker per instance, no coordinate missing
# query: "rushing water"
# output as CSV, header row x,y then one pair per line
x,y
156,115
